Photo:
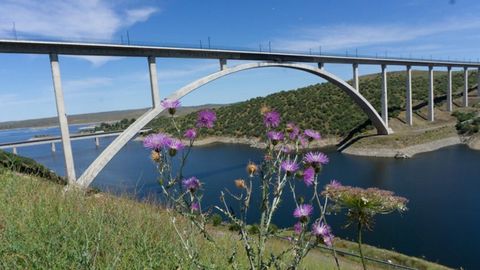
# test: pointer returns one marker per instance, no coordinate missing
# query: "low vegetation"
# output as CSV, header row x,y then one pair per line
x,y
468,123
28,166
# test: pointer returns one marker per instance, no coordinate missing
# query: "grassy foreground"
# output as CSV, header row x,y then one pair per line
x,y
41,227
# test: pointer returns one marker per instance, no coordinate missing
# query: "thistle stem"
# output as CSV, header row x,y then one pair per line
x,y
360,245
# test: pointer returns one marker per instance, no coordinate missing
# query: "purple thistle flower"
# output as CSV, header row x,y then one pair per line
x,y
174,145
312,134
297,228
195,207
316,158
171,105
271,119
292,130
275,136
191,184
309,176
156,141
206,118
190,134
303,211
320,229
289,166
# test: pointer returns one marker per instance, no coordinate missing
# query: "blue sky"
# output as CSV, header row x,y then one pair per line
x,y
435,28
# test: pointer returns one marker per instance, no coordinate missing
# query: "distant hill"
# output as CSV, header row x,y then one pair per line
x,y
323,107
94,117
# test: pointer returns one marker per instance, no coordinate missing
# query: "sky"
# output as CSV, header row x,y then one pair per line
x,y
442,29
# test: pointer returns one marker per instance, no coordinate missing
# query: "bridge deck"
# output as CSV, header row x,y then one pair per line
x,y
71,48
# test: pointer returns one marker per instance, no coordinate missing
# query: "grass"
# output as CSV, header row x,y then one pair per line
x,y
42,227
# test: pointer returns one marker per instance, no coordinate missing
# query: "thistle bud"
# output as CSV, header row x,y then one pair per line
x,y
240,183
251,169
155,156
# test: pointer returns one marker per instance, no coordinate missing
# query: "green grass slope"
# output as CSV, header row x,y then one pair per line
x,y
323,107
42,227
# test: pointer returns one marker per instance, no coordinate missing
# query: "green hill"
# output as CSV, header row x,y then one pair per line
x,y
323,107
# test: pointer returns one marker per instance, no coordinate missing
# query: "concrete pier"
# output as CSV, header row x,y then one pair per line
x,y
465,87
14,150
449,89
355,77
408,106
321,65
384,96
223,64
62,119
152,68
431,95
54,148
97,142
478,82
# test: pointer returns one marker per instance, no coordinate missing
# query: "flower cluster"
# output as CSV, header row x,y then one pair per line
x,y
362,203
158,142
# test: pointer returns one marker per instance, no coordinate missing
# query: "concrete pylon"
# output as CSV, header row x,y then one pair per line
x,y
62,119
152,68
54,148
384,95
431,95
321,66
408,106
14,150
355,77
223,64
97,142
465,87
478,82
449,89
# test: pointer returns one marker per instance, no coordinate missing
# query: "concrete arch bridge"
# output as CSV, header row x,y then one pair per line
x,y
301,62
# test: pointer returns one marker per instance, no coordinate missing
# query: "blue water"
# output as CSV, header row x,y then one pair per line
x,y
443,186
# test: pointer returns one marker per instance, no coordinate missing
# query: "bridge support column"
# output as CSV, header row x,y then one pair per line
x,y
223,64
152,68
465,87
355,77
97,142
14,150
431,109
321,66
449,89
478,81
408,106
384,95
62,119
54,148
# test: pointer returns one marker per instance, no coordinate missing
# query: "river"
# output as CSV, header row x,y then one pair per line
x,y
442,187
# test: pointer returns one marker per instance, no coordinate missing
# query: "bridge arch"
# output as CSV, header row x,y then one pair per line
x,y
98,164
